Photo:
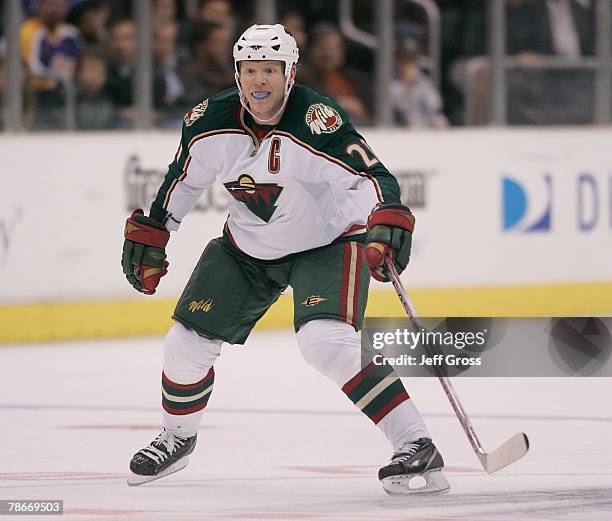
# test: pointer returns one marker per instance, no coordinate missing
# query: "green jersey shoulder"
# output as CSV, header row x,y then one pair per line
x,y
215,113
309,116
313,118
320,123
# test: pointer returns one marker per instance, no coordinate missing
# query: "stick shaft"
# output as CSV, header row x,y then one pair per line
x,y
447,386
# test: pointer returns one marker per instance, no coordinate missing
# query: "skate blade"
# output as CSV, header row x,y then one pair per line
x,y
136,479
435,482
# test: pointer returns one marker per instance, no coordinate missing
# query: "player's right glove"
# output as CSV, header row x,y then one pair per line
x,y
390,227
144,255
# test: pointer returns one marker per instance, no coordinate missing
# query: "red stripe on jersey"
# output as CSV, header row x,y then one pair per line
x,y
335,161
170,190
357,283
346,271
175,182
184,174
390,405
211,133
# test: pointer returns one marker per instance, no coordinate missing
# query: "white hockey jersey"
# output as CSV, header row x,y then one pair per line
x,y
296,186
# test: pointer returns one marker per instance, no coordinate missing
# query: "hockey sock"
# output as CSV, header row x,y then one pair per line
x,y
187,378
333,348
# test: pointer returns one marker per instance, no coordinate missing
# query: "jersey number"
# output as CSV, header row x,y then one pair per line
x,y
363,150
274,157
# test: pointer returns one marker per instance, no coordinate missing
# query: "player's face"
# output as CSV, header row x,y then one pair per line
x,y
263,85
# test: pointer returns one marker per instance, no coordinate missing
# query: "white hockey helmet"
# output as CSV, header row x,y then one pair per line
x,y
266,42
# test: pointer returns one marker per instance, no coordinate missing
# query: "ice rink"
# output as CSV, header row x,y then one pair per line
x,y
280,442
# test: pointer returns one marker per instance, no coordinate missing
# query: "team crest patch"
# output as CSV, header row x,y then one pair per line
x,y
322,119
260,198
195,113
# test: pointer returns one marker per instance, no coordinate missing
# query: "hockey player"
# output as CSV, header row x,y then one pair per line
x,y
311,207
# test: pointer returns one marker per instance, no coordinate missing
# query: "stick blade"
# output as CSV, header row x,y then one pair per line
x,y
508,452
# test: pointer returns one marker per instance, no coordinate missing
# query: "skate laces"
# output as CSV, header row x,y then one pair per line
x,y
405,452
163,446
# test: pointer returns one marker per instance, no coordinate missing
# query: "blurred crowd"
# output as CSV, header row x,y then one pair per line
x,y
79,60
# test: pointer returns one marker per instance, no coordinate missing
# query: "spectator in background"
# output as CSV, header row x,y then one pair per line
x,y
209,70
91,17
220,12
163,11
563,28
465,64
327,73
550,27
170,110
295,24
49,45
122,54
2,87
2,74
50,49
94,108
416,100
215,11
534,30
465,45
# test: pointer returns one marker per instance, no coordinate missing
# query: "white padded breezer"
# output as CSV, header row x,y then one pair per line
x,y
187,359
333,348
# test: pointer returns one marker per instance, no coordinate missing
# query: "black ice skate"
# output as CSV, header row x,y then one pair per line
x,y
414,459
165,455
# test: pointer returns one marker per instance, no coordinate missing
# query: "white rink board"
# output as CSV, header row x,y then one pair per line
x,y
64,200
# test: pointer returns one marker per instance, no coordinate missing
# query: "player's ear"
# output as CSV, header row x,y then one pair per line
x,y
292,73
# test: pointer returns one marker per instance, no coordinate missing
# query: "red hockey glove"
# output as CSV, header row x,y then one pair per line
x,y
390,227
144,256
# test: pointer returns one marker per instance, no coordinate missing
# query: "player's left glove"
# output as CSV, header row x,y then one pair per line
x,y
144,255
390,227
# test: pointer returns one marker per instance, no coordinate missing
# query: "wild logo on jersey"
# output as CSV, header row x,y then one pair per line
x,y
195,113
322,118
260,198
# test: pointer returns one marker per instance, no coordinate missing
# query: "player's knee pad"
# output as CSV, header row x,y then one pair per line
x,y
187,355
332,347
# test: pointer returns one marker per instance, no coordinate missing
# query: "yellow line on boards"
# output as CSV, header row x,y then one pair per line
x,y
140,317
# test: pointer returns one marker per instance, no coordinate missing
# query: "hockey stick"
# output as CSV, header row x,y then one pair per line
x,y
508,452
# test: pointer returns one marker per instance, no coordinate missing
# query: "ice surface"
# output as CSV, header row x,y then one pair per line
x,y
280,442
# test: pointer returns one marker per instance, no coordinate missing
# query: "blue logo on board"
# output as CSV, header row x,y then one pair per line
x,y
527,211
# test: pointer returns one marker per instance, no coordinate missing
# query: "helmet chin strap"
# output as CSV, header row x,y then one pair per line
x,y
245,103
